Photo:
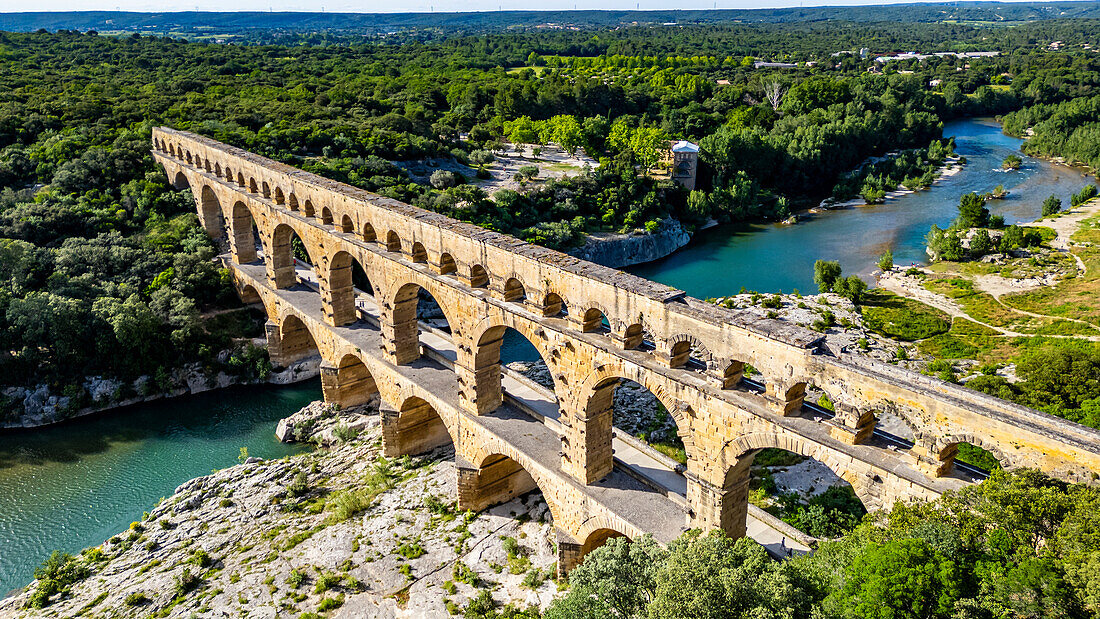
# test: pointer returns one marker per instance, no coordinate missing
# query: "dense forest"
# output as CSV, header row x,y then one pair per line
x,y
1019,545
99,254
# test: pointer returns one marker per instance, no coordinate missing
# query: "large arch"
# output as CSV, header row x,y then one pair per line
x,y
945,450
243,240
415,427
281,269
405,324
657,419
354,383
179,182
488,366
338,291
296,341
213,221
740,454
499,477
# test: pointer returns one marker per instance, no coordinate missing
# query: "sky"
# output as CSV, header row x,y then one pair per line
x,y
403,6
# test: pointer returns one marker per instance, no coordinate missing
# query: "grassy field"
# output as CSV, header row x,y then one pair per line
x,y
983,307
902,319
1075,297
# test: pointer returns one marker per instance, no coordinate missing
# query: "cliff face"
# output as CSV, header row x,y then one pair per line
x,y
339,529
620,250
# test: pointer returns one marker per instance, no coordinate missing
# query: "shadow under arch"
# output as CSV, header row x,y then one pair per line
x,y
405,317
841,490
415,427
354,383
286,248
500,344
213,219
243,239
296,341
498,478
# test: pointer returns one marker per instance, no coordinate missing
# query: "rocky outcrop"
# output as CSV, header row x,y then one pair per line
x,y
36,406
620,250
340,531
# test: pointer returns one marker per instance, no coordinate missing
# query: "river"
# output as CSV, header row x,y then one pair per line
x,y
780,258
74,485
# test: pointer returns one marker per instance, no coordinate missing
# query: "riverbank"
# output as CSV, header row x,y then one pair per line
x,y
340,527
622,250
951,166
38,406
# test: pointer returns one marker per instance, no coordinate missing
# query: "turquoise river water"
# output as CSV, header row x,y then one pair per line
x,y
780,258
74,485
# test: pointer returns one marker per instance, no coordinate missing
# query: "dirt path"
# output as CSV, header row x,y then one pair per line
x,y
901,284
1066,224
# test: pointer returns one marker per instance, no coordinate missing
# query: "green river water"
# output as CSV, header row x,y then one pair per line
x,y
74,485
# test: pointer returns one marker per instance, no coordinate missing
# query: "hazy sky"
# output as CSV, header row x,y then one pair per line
x,y
400,6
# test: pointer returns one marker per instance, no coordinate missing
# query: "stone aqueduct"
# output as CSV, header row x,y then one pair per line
x,y
688,353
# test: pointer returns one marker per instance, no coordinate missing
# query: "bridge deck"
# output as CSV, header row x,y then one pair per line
x,y
619,492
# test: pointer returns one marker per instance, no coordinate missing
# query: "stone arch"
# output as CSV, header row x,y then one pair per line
x,y
308,209
326,216
415,427
188,157
598,538
281,270
240,179
393,242
172,149
213,221
514,290
180,182
368,232
346,225
739,454
242,239
252,186
498,477
265,189
637,336
280,199
685,350
292,201
229,174
945,448
479,277
447,264
354,383
489,335
217,169
419,254
405,341
594,320
554,306
206,165
595,401
732,374
296,341
337,291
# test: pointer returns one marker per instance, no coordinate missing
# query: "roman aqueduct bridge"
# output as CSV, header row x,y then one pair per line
x,y
594,327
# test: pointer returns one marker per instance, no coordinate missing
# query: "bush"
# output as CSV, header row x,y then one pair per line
x,y
136,598
886,261
442,179
1012,162
528,171
300,485
1051,206
981,243
826,273
186,582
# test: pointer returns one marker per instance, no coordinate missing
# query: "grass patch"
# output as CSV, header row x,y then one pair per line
x,y
902,319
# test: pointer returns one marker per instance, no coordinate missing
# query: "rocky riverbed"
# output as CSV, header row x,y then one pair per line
x,y
340,529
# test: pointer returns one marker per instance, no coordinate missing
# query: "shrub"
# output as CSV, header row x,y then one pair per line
x,y
528,171
295,579
1051,206
348,503
300,485
886,261
442,179
344,434
136,598
186,582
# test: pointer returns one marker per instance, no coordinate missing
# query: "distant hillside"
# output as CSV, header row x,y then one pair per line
x,y
457,23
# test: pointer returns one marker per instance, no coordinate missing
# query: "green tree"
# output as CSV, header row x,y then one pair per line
x,y
1051,206
617,579
1012,162
852,288
901,579
972,211
981,243
886,260
826,274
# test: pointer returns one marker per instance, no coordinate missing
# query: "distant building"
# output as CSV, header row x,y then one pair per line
x,y
685,163
773,65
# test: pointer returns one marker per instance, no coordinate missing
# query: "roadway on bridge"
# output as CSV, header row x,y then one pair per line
x,y
539,403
